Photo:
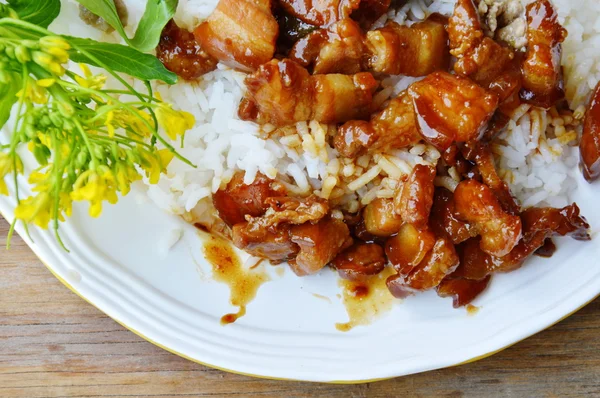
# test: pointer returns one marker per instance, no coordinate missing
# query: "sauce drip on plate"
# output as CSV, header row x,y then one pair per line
x,y
227,268
365,301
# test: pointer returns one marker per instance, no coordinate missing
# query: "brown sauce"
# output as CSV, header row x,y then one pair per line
x,y
228,269
365,301
472,310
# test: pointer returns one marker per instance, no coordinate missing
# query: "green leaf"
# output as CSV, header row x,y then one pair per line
x,y
120,59
107,10
8,96
156,15
38,12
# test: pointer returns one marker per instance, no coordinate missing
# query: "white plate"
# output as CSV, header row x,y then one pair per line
x,y
117,264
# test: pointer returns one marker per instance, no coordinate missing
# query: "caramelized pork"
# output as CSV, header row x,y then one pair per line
x,y
180,53
478,57
337,49
451,109
476,204
463,291
392,128
444,220
240,33
380,219
274,244
320,12
408,248
538,225
480,153
413,51
543,83
238,200
360,261
283,93
439,262
589,147
319,244
288,210
413,203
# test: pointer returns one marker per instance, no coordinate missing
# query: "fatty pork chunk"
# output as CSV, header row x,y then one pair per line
x,y
589,147
360,261
326,12
543,83
240,33
412,51
283,93
394,127
394,49
451,109
238,200
539,224
180,53
478,57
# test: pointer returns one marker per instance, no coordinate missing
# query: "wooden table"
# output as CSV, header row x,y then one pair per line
x,y
53,344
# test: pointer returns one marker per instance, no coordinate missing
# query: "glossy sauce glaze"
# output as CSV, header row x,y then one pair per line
x,y
227,268
365,301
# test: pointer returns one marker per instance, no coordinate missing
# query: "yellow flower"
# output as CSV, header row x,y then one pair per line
x,y
36,209
40,180
95,187
6,167
110,117
175,123
89,80
125,175
156,163
46,82
33,92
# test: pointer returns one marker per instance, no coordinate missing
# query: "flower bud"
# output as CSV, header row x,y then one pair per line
x,y
45,121
42,59
30,132
40,155
48,42
56,119
4,77
61,55
10,52
99,151
66,109
22,54
82,158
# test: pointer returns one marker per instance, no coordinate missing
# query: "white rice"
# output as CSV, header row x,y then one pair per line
x,y
538,164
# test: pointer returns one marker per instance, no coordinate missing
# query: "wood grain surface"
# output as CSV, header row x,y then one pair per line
x,y
54,344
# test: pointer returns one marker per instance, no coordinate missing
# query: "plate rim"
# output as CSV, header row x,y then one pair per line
x,y
39,253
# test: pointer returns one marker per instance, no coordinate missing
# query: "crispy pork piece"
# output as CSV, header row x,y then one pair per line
x,y
444,220
238,200
417,50
319,244
380,219
476,204
538,225
180,53
240,33
360,261
478,57
283,93
274,244
408,248
451,109
543,83
589,147
463,291
393,127
320,12
338,49
413,203
441,261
